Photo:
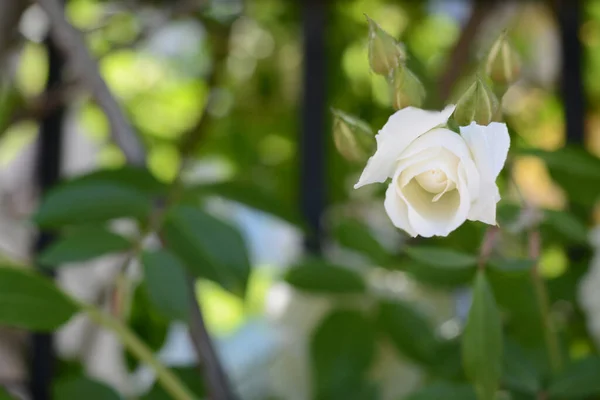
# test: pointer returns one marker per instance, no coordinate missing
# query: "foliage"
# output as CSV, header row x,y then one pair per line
x,y
522,332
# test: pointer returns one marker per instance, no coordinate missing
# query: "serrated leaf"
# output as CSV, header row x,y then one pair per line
x,y
410,331
82,387
482,341
441,257
82,245
321,277
30,301
355,235
209,247
444,391
82,203
165,278
342,348
577,381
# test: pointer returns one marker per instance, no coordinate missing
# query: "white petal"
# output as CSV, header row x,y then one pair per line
x,y
401,129
397,210
489,147
453,142
428,218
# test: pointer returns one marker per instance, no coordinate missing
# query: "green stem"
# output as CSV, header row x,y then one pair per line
x,y
170,382
543,300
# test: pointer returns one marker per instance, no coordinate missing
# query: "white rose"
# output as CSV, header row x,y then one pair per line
x,y
439,178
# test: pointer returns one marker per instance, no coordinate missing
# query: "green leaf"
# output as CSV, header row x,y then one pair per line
x,y
86,202
513,266
251,195
579,380
342,349
190,376
444,391
567,226
83,244
82,387
137,178
32,302
355,235
320,277
4,394
146,322
482,341
167,284
209,247
410,331
519,371
441,257
440,266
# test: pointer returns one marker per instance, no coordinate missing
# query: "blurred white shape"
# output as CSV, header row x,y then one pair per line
x,y
588,293
34,24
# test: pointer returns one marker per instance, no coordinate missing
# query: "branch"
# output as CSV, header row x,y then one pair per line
x,y
487,246
71,43
460,54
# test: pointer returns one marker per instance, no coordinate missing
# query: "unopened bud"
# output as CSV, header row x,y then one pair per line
x,y
353,137
385,52
503,64
477,104
407,89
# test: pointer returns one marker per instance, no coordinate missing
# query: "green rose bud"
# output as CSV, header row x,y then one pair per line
x,y
503,64
353,137
385,52
477,104
407,89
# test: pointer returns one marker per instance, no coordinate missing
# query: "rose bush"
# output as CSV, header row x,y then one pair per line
x,y
439,178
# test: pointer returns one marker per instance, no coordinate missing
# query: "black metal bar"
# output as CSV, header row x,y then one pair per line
x,y
568,13
47,174
312,140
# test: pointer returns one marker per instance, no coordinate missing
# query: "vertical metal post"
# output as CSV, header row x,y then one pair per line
x,y
312,140
568,13
47,174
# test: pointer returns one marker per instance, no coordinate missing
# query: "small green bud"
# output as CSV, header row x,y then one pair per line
x,y
352,136
385,52
503,64
407,89
477,104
